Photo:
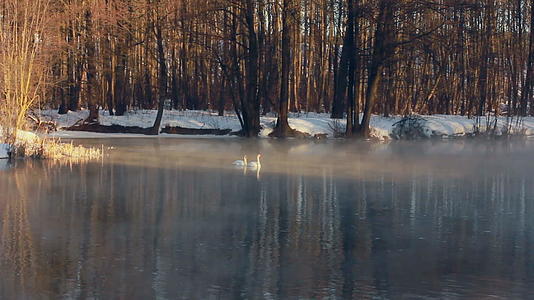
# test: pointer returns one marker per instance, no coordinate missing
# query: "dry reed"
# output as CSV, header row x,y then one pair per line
x,y
53,149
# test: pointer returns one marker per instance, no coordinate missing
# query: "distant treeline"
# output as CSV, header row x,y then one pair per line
x,y
255,56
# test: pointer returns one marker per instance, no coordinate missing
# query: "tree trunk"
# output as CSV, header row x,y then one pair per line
x,y
340,73
282,128
347,81
222,98
162,79
382,49
527,93
120,80
108,74
63,108
486,51
91,69
251,114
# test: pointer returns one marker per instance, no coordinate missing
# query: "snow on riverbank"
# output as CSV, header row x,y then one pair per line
x,y
4,149
29,144
23,137
312,123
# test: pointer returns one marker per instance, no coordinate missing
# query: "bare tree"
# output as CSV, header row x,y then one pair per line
x,y
23,60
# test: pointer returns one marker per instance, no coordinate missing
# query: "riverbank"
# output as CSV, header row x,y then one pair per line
x,y
4,151
445,126
30,145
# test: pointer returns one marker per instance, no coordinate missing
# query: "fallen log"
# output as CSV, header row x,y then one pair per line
x,y
195,131
39,125
93,127
98,128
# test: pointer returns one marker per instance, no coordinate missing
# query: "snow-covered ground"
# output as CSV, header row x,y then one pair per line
x,y
23,137
4,151
312,123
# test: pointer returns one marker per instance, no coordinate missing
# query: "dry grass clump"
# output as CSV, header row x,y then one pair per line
x,y
52,149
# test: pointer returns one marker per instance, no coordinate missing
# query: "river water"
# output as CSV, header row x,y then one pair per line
x,y
173,219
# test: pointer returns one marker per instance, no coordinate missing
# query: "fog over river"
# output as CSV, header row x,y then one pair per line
x,y
174,219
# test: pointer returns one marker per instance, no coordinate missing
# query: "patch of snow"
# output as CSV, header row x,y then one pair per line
x,y
4,150
26,137
311,123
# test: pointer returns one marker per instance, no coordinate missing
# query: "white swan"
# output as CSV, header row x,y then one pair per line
x,y
241,163
255,164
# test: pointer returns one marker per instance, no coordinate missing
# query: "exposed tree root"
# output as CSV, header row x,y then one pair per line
x,y
39,125
280,132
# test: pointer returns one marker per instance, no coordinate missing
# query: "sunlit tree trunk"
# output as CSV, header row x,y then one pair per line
x,y
382,49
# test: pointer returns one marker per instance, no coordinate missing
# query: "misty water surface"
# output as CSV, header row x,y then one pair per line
x,y
172,219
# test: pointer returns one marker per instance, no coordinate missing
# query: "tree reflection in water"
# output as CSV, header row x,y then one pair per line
x,y
119,231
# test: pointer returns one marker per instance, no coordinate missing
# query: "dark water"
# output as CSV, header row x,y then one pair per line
x,y
172,219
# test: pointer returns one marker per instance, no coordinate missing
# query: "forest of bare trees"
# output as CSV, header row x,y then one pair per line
x,y
349,58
